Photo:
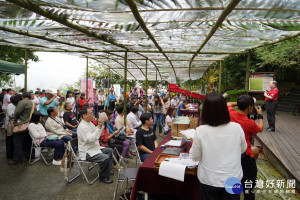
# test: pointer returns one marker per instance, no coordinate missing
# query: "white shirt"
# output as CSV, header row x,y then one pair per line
x,y
133,121
173,102
6,100
36,100
218,150
88,139
168,119
71,100
10,111
150,92
37,131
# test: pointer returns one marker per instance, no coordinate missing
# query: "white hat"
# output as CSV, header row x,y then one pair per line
x,y
50,91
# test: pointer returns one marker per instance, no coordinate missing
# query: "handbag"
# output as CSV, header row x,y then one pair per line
x,y
52,137
121,137
9,129
23,127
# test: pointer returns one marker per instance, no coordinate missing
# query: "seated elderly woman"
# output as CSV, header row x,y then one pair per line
x,y
39,134
55,125
108,139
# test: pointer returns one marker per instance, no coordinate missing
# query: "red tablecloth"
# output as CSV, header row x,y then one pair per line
x,y
195,112
148,180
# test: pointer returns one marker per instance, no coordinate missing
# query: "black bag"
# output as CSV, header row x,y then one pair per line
x,y
121,137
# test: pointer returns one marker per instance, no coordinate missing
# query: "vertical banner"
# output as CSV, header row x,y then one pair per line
x,y
90,89
117,89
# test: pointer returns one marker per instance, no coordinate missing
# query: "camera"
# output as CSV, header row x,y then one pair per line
x,y
253,114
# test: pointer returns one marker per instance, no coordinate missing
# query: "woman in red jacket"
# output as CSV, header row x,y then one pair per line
x,y
82,101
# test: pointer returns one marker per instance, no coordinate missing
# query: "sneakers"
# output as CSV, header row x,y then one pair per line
x,y
54,162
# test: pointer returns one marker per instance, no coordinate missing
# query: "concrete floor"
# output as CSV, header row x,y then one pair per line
x,y
39,181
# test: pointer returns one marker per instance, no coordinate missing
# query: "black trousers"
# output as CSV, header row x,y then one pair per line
x,y
270,107
22,141
9,141
112,105
249,176
208,192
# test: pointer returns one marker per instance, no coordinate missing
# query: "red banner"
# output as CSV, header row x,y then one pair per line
x,y
177,89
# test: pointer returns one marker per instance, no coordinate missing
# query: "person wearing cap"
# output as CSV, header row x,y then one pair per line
x,y
112,100
96,101
88,144
48,101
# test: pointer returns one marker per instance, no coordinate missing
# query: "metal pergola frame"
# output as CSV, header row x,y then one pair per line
x,y
142,55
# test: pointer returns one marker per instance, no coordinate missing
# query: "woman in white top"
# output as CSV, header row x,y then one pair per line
x,y
169,119
39,134
218,145
71,99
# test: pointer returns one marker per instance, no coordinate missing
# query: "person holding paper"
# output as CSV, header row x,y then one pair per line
x,y
145,137
218,145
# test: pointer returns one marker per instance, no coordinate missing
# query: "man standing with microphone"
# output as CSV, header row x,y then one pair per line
x,y
271,97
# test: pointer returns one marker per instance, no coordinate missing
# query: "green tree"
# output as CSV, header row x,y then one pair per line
x,y
15,55
99,73
283,57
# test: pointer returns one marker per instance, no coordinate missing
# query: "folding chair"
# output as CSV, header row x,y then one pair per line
x,y
120,160
127,174
75,159
38,148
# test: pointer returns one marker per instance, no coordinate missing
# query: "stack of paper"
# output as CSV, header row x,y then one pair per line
x,y
172,170
189,133
187,162
174,143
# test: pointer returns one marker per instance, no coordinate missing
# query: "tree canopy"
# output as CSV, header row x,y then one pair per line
x,y
16,55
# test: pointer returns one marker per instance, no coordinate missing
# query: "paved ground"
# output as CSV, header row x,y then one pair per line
x,y
40,182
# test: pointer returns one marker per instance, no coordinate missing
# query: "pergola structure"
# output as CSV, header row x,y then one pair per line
x,y
149,39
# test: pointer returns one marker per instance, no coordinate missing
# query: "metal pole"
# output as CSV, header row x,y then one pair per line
x,y
146,107
108,82
247,71
87,78
156,82
220,76
25,70
125,89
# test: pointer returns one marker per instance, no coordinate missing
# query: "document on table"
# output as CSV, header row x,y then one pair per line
x,y
174,143
189,133
187,162
172,170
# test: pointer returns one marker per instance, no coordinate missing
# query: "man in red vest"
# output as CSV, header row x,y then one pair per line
x,y
271,97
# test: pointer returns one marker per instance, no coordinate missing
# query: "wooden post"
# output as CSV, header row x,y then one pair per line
x,y
87,79
247,71
146,107
125,89
220,76
25,70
